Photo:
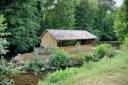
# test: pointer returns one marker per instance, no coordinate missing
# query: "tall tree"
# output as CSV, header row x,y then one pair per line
x,y
3,42
108,4
121,21
47,10
104,21
23,22
57,14
64,15
83,16
109,33
96,18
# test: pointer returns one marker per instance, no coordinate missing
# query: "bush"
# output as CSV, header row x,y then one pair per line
x,y
7,70
89,57
59,58
78,46
103,50
61,74
125,44
34,65
78,53
48,50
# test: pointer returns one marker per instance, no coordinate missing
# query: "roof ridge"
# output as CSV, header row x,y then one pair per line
x,y
67,29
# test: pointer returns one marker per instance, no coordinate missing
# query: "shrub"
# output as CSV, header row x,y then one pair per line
x,y
48,50
34,65
61,74
125,44
40,83
104,50
78,58
59,58
3,41
89,57
78,53
6,70
77,46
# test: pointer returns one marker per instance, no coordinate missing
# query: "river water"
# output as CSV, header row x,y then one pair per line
x,y
30,78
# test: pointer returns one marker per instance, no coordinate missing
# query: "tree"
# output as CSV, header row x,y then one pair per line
x,y
23,23
109,33
96,17
64,15
57,14
47,11
3,42
121,21
5,68
104,22
109,5
83,16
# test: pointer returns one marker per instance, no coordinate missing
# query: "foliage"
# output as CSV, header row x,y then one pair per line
x,y
57,14
121,21
108,31
47,14
61,74
103,23
95,18
34,65
48,50
3,42
83,16
125,44
78,53
74,61
6,70
89,57
103,50
109,5
59,58
24,25
64,15
78,46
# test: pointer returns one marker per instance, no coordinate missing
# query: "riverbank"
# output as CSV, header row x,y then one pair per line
x,y
59,60
107,71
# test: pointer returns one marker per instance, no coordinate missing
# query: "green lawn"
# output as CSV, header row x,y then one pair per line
x,y
112,71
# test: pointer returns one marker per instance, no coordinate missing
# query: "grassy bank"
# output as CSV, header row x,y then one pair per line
x,y
113,71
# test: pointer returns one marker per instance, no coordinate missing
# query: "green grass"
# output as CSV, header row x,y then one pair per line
x,y
107,71
77,56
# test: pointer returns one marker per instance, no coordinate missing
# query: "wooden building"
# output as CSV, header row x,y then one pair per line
x,y
67,39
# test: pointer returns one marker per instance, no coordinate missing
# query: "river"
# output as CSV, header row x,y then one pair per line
x,y
30,78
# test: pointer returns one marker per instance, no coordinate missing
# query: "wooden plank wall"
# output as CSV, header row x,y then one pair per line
x,y
48,41
73,48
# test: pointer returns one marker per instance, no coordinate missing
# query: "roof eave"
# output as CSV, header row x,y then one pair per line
x,y
73,39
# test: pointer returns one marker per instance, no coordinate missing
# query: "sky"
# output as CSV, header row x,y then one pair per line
x,y
119,2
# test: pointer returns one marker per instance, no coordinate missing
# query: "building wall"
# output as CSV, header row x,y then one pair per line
x,y
48,41
88,45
